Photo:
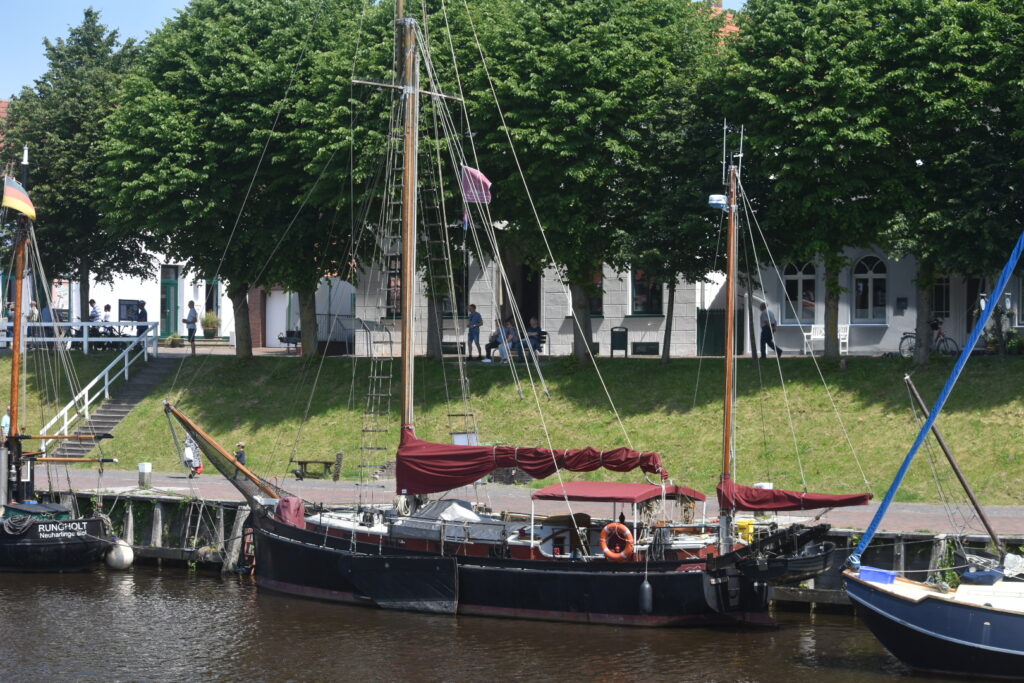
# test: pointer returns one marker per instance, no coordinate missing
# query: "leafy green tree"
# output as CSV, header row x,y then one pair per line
x,y
61,121
584,85
809,87
201,157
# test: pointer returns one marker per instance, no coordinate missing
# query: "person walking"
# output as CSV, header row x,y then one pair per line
x,y
141,316
768,327
240,453
475,322
190,325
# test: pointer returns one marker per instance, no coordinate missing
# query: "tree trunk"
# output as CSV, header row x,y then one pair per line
x,y
435,325
307,323
582,333
243,333
667,344
83,290
924,283
832,291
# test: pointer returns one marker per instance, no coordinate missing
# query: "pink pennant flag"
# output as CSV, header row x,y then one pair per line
x,y
476,188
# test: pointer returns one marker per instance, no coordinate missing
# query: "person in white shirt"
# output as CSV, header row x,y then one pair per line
x,y
768,325
190,325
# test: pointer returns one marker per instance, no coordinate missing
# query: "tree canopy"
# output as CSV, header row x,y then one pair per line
x,y
61,121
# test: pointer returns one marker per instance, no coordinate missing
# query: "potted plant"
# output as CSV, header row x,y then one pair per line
x,y
175,341
211,324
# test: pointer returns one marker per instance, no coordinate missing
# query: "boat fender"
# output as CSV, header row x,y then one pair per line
x,y
622,532
120,555
646,597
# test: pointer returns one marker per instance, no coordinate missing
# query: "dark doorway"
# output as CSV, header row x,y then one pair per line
x,y
528,297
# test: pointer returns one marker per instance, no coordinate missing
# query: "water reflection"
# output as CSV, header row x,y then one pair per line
x,y
164,625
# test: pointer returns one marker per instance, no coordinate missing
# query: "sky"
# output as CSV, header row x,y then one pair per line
x,y
29,21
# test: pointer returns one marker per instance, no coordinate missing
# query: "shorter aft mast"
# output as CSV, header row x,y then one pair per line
x,y
17,475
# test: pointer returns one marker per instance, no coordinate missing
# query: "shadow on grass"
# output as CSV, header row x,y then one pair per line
x,y
264,391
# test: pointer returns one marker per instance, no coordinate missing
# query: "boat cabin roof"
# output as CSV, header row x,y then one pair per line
x,y
611,492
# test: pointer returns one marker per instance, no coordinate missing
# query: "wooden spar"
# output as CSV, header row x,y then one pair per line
x,y
220,449
83,437
76,459
725,539
730,332
410,94
19,287
956,469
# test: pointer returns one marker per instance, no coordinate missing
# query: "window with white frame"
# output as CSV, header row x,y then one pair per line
x,y
869,285
940,298
800,303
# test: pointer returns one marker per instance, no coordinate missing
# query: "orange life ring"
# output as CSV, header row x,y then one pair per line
x,y
621,532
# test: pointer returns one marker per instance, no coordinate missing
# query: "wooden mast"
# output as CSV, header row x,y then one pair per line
x,y
410,94
725,516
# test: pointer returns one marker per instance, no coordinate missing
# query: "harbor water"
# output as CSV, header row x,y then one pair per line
x,y
155,624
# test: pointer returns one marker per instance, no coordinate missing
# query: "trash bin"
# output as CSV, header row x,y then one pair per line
x,y
620,341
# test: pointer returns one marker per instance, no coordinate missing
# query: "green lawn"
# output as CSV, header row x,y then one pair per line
x,y
271,404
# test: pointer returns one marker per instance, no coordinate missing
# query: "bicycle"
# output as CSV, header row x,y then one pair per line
x,y
943,344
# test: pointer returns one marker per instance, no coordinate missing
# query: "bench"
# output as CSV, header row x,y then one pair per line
x,y
291,339
304,466
811,335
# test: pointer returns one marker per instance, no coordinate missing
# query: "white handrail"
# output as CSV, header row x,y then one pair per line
x,y
142,345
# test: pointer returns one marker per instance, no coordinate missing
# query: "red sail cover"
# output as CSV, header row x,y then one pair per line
x,y
425,467
733,496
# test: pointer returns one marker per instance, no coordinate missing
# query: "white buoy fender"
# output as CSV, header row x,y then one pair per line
x,y
120,555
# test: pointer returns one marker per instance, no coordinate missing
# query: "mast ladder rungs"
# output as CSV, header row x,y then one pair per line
x,y
380,376
374,448
378,395
375,431
377,412
460,414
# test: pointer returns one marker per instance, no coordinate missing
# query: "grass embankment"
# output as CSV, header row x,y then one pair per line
x,y
265,402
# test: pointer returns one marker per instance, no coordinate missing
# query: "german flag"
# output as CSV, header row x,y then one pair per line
x,y
16,198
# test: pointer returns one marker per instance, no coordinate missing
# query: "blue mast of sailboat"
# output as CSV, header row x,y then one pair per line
x,y
986,314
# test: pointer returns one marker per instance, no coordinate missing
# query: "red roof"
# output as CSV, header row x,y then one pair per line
x,y
611,492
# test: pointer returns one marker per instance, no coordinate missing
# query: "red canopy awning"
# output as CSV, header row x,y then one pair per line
x,y
611,492
426,467
733,496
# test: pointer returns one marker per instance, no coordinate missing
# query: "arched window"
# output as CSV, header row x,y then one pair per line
x,y
800,288
869,278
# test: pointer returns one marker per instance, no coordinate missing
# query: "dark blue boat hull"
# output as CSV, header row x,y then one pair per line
x,y
300,562
941,636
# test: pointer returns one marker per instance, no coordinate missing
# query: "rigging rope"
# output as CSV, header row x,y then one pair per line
x,y
814,360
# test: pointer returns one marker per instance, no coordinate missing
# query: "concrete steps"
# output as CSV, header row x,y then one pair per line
x,y
141,382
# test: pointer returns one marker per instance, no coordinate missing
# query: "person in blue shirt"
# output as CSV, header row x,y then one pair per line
x,y
474,324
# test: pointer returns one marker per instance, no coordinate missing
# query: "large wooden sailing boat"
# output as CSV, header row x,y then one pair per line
x,y
445,557
36,536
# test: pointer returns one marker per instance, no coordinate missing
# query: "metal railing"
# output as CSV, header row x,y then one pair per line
x,y
335,327
83,334
79,408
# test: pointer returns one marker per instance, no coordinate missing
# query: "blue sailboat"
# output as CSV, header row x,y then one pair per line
x,y
975,629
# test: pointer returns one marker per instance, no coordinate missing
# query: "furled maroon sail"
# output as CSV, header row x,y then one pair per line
x,y
733,496
426,467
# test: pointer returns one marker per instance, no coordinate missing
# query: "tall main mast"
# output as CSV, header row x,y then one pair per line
x,y
728,442
410,65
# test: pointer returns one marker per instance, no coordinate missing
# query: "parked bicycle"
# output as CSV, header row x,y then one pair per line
x,y
947,346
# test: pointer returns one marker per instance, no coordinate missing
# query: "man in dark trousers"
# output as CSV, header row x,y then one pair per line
x,y
768,325
141,316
